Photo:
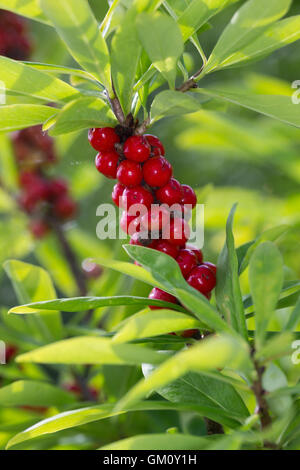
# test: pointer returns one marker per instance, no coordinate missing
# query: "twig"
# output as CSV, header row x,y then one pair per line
x,y
116,107
190,83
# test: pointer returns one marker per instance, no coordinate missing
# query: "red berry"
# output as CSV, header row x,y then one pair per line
x,y
10,351
39,228
211,266
179,232
107,164
158,294
57,188
103,139
135,239
189,333
91,269
129,224
202,279
137,148
137,195
188,195
170,193
187,261
130,173
157,172
156,145
65,208
197,252
167,248
117,194
156,218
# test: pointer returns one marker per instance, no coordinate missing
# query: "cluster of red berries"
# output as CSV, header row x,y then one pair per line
x,y
145,177
42,198
14,40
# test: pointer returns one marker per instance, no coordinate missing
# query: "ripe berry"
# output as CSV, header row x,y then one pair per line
x,y
137,195
107,164
129,173
188,196
129,224
211,266
197,252
189,333
170,193
179,232
187,261
10,351
65,208
103,139
157,148
167,248
158,294
39,228
117,194
156,218
135,239
57,188
91,269
202,279
137,148
157,172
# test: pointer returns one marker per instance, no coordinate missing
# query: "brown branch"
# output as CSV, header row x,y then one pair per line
x,y
116,107
190,83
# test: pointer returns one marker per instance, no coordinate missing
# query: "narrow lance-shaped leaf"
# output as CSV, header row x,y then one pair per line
x,y
246,25
76,24
275,106
265,278
228,292
171,103
160,442
162,40
278,35
19,116
22,79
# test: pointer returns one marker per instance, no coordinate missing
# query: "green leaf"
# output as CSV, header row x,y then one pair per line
x,y
197,13
276,36
227,407
294,319
275,106
8,165
29,8
244,252
27,81
266,279
247,24
80,304
125,54
90,350
274,348
154,323
61,70
212,353
172,103
166,273
228,291
87,415
160,442
83,114
19,116
162,40
33,393
32,283
76,24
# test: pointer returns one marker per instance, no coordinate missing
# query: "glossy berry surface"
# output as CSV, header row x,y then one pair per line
x,y
156,218
187,261
135,239
107,164
202,279
158,294
157,148
129,224
167,248
179,232
137,148
170,193
188,196
129,173
103,139
157,172
197,252
137,195
117,194
211,266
